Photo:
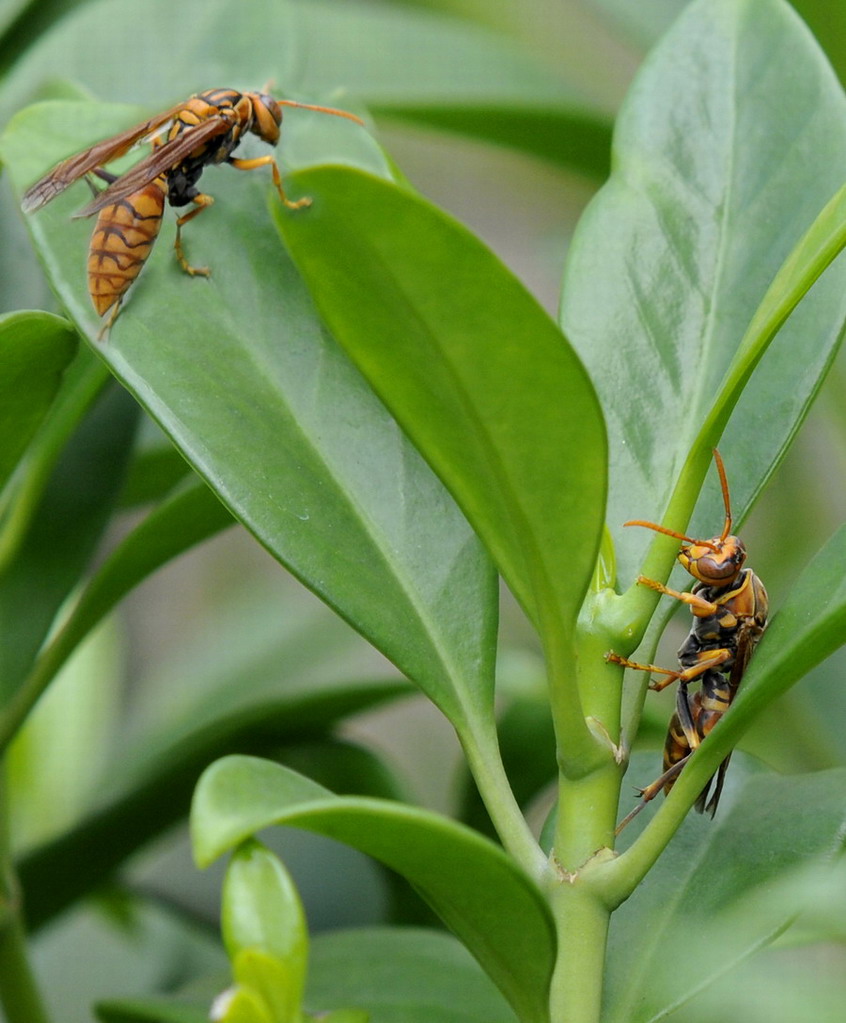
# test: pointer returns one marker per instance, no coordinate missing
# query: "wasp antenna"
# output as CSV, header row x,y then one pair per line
x,y
721,469
673,533
320,109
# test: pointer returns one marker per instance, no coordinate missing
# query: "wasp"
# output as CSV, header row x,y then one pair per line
x,y
729,605
205,129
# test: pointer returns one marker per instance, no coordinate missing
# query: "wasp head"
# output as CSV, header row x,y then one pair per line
x,y
267,117
715,562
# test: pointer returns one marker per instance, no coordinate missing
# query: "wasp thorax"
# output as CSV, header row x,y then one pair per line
x,y
715,561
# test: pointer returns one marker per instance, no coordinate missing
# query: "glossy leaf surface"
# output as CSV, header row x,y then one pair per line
x,y
452,867
716,178
270,413
473,368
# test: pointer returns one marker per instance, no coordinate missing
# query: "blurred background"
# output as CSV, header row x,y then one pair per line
x,y
227,615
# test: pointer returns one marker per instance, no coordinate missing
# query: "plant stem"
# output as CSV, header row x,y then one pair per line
x,y
584,833
489,774
19,994
576,991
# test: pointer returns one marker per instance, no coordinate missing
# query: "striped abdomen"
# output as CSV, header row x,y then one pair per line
x,y
121,243
707,706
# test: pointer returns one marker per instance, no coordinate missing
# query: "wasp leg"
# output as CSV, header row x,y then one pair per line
x,y
103,333
103,175
651,791
269,161
698,605
684,675
203,202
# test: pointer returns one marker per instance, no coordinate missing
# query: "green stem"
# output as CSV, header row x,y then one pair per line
x,y
485,763
582,920
19,994
584,835
578,750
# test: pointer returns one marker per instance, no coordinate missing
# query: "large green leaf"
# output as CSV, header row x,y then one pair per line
x,y
415,976
708,883
35,349
716,177
471,883
396,975
647,20
475,371
411,64
239,372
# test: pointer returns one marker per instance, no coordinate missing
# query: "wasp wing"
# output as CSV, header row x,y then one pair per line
x,y
162,158
72,169
747,640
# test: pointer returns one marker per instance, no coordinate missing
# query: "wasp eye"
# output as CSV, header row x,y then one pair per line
x,y
272,107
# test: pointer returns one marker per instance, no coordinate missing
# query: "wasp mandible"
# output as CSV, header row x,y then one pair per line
x,y
729,606
204,130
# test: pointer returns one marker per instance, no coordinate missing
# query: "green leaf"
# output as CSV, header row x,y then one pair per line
x,y
408,975
414,65
153,791
60,538
475,371
9,11
393,975
151,1010
240,1005
828,23
711,875
56,762
269,412
35,350
455,869
187,518
157,468
715,180
264,929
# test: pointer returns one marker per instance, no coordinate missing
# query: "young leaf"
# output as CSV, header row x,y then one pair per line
x,y
476,889
715,180
264,929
